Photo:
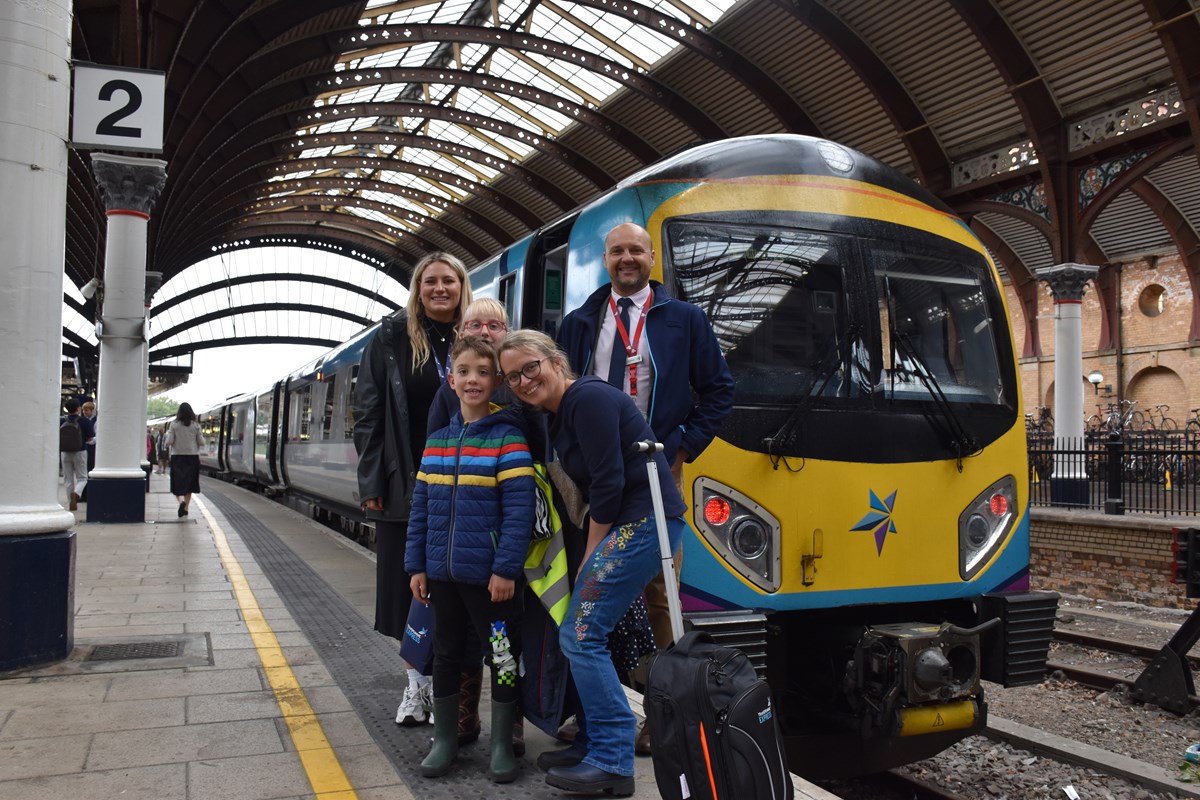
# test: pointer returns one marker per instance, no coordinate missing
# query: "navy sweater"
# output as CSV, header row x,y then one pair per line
x,y
593,434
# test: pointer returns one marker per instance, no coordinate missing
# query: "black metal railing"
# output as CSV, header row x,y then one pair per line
x,y
1148,472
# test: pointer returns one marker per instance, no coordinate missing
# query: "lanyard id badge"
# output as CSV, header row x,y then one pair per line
x,y
632,356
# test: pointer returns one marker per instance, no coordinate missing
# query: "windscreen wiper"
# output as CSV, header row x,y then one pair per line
x,y
826,370
960,438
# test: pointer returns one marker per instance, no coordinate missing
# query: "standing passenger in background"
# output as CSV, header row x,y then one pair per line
x,y
185,440
403,366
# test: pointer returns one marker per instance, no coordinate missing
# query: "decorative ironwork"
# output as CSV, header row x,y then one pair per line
x,y
1093,180
1004,159
1031,198
1129,116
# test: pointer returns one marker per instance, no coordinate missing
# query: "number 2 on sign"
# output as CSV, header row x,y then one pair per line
x,y
133,101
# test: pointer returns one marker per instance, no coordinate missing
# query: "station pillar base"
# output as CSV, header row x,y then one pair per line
x,y
37,599
1072,492
116,500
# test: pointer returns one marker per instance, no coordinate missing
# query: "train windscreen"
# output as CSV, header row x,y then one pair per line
x,y
865,318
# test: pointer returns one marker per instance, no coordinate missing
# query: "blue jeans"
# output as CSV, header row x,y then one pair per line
x,y
611,579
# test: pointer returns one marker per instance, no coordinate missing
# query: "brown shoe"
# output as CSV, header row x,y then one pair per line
x,y
567,731
641,744
74,501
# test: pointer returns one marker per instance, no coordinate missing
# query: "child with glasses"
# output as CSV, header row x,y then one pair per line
x,y
468,535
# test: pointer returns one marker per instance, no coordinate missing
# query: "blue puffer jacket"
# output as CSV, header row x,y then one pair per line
x,y
473,505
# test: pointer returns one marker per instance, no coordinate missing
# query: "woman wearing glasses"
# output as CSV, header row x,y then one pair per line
x,y
401,370
593,428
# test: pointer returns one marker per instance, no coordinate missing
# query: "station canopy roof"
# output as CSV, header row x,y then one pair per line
x,y
380,130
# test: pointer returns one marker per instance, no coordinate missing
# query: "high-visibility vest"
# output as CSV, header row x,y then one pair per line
x,y
546,561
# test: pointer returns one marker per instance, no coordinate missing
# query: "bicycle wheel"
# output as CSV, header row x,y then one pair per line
x,y
1168,424
1137,421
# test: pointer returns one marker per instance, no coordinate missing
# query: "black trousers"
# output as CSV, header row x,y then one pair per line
x,y
462,607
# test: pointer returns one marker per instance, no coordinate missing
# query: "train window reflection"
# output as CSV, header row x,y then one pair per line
x,y
348,433
777,302
935,326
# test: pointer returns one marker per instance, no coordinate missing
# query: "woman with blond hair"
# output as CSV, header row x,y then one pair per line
x,y
593,427
402,368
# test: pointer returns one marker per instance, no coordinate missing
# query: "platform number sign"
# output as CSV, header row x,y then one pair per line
x,y
117,108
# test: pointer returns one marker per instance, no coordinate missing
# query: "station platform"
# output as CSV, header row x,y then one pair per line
x,y
230,654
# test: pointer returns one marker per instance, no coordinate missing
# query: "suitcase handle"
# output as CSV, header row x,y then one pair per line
x,y
651,449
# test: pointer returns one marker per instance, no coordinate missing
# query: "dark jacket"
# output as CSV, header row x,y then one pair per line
x,y
685,357
385,467
472,511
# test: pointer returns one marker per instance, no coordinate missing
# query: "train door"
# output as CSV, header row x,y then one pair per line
x,y
545,277
282,415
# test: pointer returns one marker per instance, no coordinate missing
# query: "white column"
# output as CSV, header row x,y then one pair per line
x,y
36,540
1067,282
116,486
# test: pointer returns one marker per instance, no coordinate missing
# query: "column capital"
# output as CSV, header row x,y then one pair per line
x,y
129,183
1067,281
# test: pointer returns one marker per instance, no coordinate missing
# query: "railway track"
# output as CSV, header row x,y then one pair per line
x,y
1104,680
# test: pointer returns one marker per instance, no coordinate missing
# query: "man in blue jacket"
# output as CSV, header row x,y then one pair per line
x,y
662,352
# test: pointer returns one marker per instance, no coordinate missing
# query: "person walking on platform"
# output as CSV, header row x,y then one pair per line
x,y
472,516
88,412
73,432
402,367
185,440
593,428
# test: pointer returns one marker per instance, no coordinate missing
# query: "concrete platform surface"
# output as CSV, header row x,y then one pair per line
x,y
191,678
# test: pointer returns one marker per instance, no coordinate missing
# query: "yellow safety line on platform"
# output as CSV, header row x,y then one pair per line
x,y
321,763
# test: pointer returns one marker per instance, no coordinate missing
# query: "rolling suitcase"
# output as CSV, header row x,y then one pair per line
x,y
713,731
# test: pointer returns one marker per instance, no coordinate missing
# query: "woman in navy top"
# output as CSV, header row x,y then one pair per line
x,y
593,428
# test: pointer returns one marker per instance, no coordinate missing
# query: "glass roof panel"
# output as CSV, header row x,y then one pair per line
x,y
616,39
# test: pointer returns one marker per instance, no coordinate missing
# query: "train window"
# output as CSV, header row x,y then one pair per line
x,y
936,326
777,301
330,385
301,414
352,384
509,298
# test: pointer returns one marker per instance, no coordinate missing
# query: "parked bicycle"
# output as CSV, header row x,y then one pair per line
x,y
1041,420
1158,420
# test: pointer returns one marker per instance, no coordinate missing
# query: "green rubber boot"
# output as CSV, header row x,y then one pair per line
x,y
504,767
445,737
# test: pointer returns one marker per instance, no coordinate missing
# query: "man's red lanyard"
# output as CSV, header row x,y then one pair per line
x,y
632,357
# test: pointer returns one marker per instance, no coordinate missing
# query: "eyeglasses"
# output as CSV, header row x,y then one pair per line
x,y
476,325
530,370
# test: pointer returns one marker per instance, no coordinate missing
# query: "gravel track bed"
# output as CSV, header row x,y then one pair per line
x,y
982,768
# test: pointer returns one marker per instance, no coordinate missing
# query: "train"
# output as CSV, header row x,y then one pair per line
x,y
861,522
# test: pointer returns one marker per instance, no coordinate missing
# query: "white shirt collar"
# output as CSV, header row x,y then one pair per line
x,y
639,297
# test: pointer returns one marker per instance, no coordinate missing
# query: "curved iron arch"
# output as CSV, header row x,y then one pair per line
x,y
785,107
347,243
335,220
300,186
252,308
265,207
322,44
927,154
208,344
270,277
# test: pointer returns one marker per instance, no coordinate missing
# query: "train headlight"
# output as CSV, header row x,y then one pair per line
x,y
743,532
984,525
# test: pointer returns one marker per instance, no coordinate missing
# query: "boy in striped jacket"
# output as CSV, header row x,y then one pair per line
x,y
468,535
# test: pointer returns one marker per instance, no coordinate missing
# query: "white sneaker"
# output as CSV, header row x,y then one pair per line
x,y
412,711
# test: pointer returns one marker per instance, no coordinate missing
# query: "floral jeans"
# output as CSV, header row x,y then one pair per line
x,y
611,580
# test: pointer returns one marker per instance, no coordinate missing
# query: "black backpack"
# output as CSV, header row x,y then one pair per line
x,y
70,436
713,730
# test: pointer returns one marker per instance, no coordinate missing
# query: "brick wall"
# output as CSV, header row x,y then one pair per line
x,y
1104,557
1158,365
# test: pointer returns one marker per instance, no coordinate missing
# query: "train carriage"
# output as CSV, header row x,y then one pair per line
x,y
861,521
